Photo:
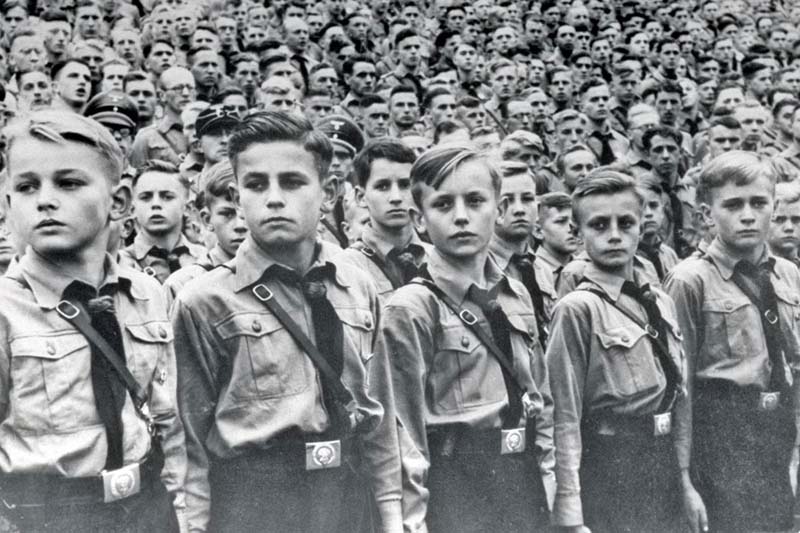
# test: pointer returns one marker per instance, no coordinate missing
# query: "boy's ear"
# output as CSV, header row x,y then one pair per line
x,y
502,208
360,196
705,212
233,194
205,218
121,204
538,233
330,191
417,219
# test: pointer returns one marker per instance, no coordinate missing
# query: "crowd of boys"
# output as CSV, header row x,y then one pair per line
x,y
401,265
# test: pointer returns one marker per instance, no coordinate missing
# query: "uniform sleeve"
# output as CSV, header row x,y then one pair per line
x,y
404,336
139,150
567,361
544,422
688,310
194,348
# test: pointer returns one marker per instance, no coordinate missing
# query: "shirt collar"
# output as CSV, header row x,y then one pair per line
x,y
252,261
218,256
167,123
47,281
383,248
503,251
141,245
718,252
457,287
611,284
545,255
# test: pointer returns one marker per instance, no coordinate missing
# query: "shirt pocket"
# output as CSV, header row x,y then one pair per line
x,y
627,361
358,327
148,344
789,309
267,362
461,375
733,329
51,382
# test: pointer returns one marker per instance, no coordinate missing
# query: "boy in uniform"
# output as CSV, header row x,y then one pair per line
x,y
555,230
90,437
510,245
469,378
738,307
356,216
651,243
389,249
223,219
275,353
616,371
784,230
159,200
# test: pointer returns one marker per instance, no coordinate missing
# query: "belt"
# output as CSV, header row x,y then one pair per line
x,y
38,490
737,397
612,425
455,440
314,452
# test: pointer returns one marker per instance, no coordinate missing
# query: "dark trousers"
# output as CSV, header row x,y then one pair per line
x,y
741,458
630,481
271,491
474,489
150,511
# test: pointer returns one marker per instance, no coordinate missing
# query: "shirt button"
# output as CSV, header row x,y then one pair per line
x,y
728,306
162,332
368,323
51,350
625,338
256,326
465,342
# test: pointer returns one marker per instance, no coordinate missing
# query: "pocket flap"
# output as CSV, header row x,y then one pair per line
x,y
356,318
53,347
525,324
726,305
625,336
458,339
249,325
153,332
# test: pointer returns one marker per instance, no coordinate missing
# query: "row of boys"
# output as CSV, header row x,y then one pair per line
x,y
397,384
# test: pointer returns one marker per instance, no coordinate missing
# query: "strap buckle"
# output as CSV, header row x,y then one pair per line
x,y
771,317
467,317
262,292
150,271
67,309
653,332
369,252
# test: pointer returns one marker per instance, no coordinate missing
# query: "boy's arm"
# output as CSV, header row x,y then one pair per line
x,y
197,400
567,361
404,338
544,422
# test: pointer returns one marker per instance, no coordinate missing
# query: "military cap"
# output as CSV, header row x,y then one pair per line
x,y
342,131
113,108
215,118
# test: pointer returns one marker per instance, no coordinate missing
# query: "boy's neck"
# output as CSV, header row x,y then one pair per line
x,y
86,265
625,271
167,241
297,256
397,237
751,255
650,239
562,257
518,247
471,269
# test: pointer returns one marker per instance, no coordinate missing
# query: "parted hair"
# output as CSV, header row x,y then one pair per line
x,y
438,163
386,148
603,181
737,167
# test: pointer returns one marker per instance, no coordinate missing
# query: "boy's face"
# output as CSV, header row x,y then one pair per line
x,y
60,204
281,193
158,202
609,226
387,194
653,212
784,230
459,216
556,229
518,208
227,223
7,249
356,220
742,213
215,145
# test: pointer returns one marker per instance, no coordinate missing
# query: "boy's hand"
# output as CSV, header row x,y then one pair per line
x,y
695,509
391,513
793,467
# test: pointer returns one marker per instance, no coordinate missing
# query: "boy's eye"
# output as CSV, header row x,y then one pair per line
x,y
443,204
255,185
779,220
25,187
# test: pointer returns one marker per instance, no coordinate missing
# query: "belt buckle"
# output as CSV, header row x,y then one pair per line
x,y
323,455
662,424
512,441
121,483
768,401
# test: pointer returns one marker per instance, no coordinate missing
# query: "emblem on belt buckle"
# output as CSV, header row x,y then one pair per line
x,y
322,455
662,424
512,441
121,483
768,401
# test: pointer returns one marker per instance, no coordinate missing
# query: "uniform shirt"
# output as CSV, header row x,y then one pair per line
x,y
272,386
573,273
443,374
138,257
164,140
402,76
618,142
50,423
551,266
501,253
178,279
600,360
724,336
355,255
666,256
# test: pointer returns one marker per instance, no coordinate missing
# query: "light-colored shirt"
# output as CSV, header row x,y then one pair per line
x,y
138,257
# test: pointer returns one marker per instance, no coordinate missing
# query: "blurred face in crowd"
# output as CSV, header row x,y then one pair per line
x,y
162,56
35,91
753,121
326,80
56,36
669,106
317,107
143,93
577,164
729,98
723,139
504,82
113,76
442,107
561,87
640,124
570,133
206,68
404,109
74,83
472,117
226,29
246,76
178,87
376,120
784,231
28,53
664,155
363,79
88,22
408,52
127,45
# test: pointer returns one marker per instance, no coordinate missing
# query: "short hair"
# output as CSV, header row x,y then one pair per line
x,y
64,126
668,86
571,150
398,89
661,131
786,102
787,192
603,181
514,168
162,167
470,102
446,127
230,90
427,100
387,148
54,15
591,83
372,99
273,126
192,53
217,182
350,63
404,34
567,115
59,66
438,163
737,167
554,200
136,75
